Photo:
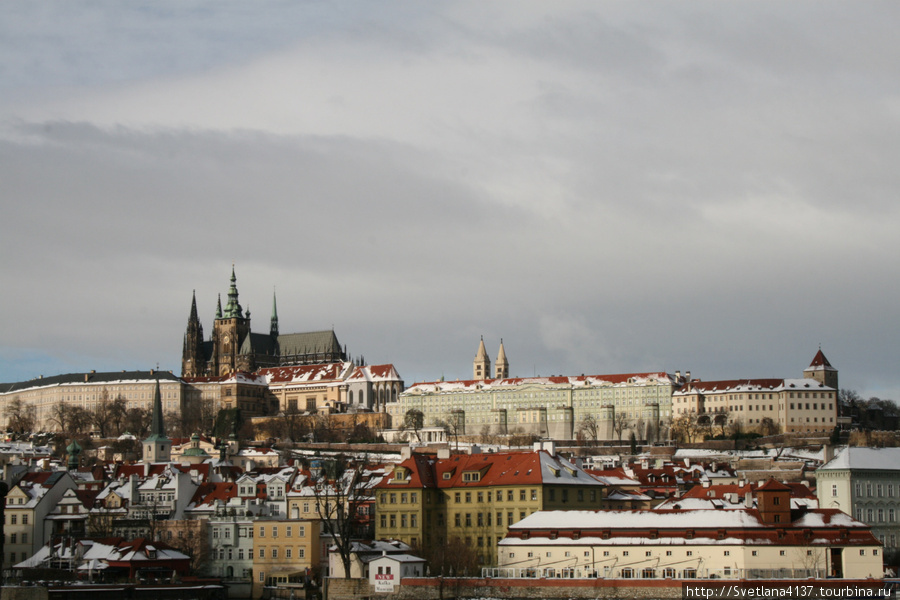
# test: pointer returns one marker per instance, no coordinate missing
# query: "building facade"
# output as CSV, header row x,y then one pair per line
x,y
476,497
765,543
864,483
803,405
89,390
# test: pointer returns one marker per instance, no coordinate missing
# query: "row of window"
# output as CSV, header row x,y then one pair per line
x,y
288,552
878,489
12,519
22,538
870,515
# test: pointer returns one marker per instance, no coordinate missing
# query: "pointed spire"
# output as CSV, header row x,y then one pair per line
x,y
219,307
194,316
157,427
481,366
501,368
273,327
233,308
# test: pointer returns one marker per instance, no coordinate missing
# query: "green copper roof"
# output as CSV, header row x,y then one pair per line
x,y
233,308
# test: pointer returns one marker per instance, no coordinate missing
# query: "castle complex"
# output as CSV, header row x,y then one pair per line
x,y
233,347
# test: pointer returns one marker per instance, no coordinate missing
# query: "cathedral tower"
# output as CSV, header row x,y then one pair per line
x,y
229,330
481,368
501,367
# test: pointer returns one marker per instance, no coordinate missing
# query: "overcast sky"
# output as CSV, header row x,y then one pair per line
x,y
610,187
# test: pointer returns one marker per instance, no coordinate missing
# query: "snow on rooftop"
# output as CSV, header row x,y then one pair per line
x,y
878,459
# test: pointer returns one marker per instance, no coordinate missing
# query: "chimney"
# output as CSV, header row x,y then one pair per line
x,y
748,500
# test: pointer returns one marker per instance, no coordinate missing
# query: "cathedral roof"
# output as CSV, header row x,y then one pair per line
x,y
309,343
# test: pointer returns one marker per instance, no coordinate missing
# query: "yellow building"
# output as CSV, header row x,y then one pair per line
x,y
476,497
283,550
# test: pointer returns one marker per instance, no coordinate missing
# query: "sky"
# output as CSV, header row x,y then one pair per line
x,y
609,187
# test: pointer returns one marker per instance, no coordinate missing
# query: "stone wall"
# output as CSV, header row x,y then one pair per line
x,y
23,593
436,588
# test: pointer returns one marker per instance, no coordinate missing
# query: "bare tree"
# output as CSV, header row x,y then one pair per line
x,y
137,421
22,416
620,424
79,420
685,428
341,492
59,416
589,428
413,421
769,427
101,414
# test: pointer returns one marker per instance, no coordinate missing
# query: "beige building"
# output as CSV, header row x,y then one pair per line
x,y
88,390
28,504
805,405
762,543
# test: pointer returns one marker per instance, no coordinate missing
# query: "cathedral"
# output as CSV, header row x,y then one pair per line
x,y
233,347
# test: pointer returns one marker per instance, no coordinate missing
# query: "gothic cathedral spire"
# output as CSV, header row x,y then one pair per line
x,y
192,358
273,328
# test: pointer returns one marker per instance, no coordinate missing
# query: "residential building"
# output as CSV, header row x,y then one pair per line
x,y
770,542
475,497
28,504
864,483
284,551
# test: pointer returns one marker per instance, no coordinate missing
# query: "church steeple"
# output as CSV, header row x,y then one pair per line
x,y
481,368
192,359
273,328
501,367
219,307
157,446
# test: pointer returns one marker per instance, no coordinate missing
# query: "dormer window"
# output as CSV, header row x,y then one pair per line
x,y
470,476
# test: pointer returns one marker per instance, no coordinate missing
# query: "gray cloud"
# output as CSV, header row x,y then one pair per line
x,y
608,187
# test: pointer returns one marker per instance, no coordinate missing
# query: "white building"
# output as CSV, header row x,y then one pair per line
x,y
764,543
864,483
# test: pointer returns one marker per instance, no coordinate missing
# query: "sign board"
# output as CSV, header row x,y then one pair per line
x,y
384,583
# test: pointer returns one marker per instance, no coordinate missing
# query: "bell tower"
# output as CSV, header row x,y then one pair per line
x,y
481,368
501,367
229,331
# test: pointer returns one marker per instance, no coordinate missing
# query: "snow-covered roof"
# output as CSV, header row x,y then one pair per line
x,y
872,459
479,385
